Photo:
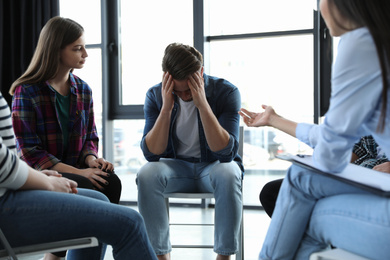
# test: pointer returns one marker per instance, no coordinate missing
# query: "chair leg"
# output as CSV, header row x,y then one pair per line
x,y
167,205
7,246
240,253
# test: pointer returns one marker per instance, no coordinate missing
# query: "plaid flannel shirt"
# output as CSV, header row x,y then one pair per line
x,y
38,129
367,151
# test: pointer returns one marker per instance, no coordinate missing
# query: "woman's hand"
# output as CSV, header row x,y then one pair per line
x,y
100,163
37,180
253,119
51,173
268,118
61,184
95,176
97,167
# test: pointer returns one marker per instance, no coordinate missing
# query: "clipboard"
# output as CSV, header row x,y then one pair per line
x,y
368,179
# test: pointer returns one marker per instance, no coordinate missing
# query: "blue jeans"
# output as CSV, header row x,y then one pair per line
x,y
174,175
314,211
35,216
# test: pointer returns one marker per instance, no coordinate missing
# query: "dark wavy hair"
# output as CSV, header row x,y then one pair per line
x,y
375,15
181,60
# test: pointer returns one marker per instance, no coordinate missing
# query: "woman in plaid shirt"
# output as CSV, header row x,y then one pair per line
x,y
52,111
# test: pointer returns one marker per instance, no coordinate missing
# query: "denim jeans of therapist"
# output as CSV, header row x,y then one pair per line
x,y
174,175
314,211
30,217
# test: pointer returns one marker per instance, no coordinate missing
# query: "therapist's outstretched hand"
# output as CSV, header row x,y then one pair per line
x,y
254,119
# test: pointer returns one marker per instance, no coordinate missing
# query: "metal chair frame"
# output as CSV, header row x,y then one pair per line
x,y
12,253
336,254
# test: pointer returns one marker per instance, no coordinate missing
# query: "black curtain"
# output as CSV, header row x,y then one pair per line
x,y
21,22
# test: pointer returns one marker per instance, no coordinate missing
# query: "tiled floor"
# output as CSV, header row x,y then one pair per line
x,y
255,227
255,223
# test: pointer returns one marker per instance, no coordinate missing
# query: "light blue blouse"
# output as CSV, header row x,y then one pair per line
x,y
355,104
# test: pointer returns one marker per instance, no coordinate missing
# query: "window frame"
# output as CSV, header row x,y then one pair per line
x,y
111,85
111,67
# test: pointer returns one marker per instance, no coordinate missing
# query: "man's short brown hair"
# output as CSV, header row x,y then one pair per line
x,y
181,60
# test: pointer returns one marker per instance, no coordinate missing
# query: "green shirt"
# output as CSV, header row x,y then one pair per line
x,y
63,106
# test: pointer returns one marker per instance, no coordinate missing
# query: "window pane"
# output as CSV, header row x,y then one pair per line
x,y
253,16
128,155
272,71
277,71
92,71
147,27
87,14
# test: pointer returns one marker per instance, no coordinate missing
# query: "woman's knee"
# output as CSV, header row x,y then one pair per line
x,y
298,176
82,182
114,188
92,194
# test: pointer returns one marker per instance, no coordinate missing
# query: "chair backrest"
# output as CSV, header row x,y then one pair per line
x,y
241,142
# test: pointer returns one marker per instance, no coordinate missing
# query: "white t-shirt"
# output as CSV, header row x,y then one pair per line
x,y
187,130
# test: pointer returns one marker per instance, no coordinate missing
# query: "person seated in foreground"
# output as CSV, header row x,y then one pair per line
x,y
40,207
314,211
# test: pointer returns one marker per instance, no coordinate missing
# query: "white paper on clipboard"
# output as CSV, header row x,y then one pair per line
x,y
374,181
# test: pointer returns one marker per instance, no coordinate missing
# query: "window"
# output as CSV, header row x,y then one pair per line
x,y
268,49
253,16
92,71
144,32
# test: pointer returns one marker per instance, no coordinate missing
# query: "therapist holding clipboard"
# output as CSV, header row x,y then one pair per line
x,y
314,210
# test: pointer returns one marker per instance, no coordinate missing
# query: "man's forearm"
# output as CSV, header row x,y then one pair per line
x,y
217,137
157,138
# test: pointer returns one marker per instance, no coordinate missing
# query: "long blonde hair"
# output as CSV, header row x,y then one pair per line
x,y
57,33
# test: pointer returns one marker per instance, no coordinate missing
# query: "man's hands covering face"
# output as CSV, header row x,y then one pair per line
x,y
196,85
167,92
